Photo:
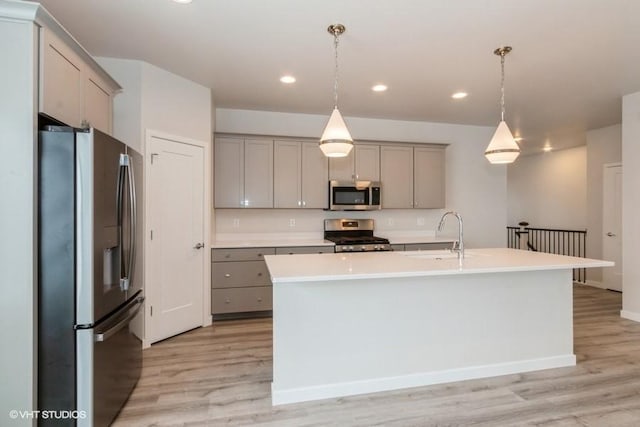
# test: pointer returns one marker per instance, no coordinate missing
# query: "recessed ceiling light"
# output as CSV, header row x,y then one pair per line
x,y
546,148
459,95
379,88
288,79
183,1
518,138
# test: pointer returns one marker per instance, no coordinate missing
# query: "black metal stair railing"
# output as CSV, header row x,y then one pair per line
x,y
553,241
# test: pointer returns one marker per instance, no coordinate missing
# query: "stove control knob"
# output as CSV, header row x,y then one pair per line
x,y
363,248
377,247
350,248
344,248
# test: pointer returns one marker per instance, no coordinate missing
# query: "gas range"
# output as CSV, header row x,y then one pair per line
x,y
354,235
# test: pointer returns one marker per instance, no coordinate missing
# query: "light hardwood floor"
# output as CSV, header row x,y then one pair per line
x,y
221,375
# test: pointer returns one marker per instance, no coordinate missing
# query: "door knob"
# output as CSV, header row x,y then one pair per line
x,y
610,234
199,246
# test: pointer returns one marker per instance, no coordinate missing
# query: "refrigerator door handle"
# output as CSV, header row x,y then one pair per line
x,y
128,268
105,335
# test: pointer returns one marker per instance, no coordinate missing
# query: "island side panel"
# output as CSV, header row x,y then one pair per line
x,y
343,337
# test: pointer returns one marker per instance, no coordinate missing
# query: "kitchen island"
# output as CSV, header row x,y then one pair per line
x,y
354,323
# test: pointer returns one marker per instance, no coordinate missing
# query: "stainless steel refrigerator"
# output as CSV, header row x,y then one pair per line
x,y
89,359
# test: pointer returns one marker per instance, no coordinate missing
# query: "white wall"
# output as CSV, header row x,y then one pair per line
x,y
475,188
17,219
603,146
631,207
156,100
549,190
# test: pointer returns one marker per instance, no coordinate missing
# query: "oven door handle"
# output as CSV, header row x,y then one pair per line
x,y
103,336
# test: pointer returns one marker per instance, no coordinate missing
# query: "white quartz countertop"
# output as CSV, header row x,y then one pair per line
x,y
274,240
269,243
373,265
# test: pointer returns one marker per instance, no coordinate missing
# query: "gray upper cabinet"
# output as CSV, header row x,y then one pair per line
x,y
287,174
243,173
74,89
315,177
362,163
342,168
229,173
258,173
367,162
429,177
300,175
396,176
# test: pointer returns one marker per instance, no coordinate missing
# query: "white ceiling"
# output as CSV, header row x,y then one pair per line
x,y
572,60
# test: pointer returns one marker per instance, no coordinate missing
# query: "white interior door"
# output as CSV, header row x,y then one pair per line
x,y
612,225
175,281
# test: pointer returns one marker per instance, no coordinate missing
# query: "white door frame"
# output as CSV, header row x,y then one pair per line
x,y
606,166
149,292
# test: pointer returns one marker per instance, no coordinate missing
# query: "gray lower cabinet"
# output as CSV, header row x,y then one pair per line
x,y
240,281
397,247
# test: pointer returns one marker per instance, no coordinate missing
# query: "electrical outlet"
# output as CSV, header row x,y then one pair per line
x,y
292,222
391,222
236,222
421,221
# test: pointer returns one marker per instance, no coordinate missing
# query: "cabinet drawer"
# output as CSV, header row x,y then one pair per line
x,y
428,246
239,300
305,250
239,274
244,254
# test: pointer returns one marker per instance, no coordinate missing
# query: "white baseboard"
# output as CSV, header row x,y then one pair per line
x,y
325,391
595,284
626,314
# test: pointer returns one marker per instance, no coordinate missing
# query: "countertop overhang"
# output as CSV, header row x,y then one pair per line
x,y
377,265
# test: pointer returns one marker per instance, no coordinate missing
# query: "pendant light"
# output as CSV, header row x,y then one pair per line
x,y
503,148
336,140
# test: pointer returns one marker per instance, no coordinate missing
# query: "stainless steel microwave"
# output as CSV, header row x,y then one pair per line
x,y
358,196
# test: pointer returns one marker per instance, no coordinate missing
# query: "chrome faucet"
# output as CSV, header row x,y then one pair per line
x,y
459,248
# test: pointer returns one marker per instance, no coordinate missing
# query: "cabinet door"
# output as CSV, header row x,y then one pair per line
x,y
258,173
428,164
315,177
287,174
367,159
61,78
229,173
97,104
342,168
396,176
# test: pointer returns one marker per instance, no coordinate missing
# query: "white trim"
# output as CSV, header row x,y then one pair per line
x,y
611,165
207,203
595,284
631,315
281,397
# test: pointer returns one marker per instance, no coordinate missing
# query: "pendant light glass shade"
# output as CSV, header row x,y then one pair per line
x,y
336,140
503,148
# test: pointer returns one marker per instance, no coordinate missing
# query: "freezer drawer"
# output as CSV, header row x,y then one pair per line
x,y
109,365
240,300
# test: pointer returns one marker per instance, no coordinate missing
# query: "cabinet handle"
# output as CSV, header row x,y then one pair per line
x,y
259,255
227,301
259,299
227,256
227,275
259,274
290,253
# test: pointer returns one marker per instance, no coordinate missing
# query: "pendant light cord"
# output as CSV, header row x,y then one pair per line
x,y
502,84
335,84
